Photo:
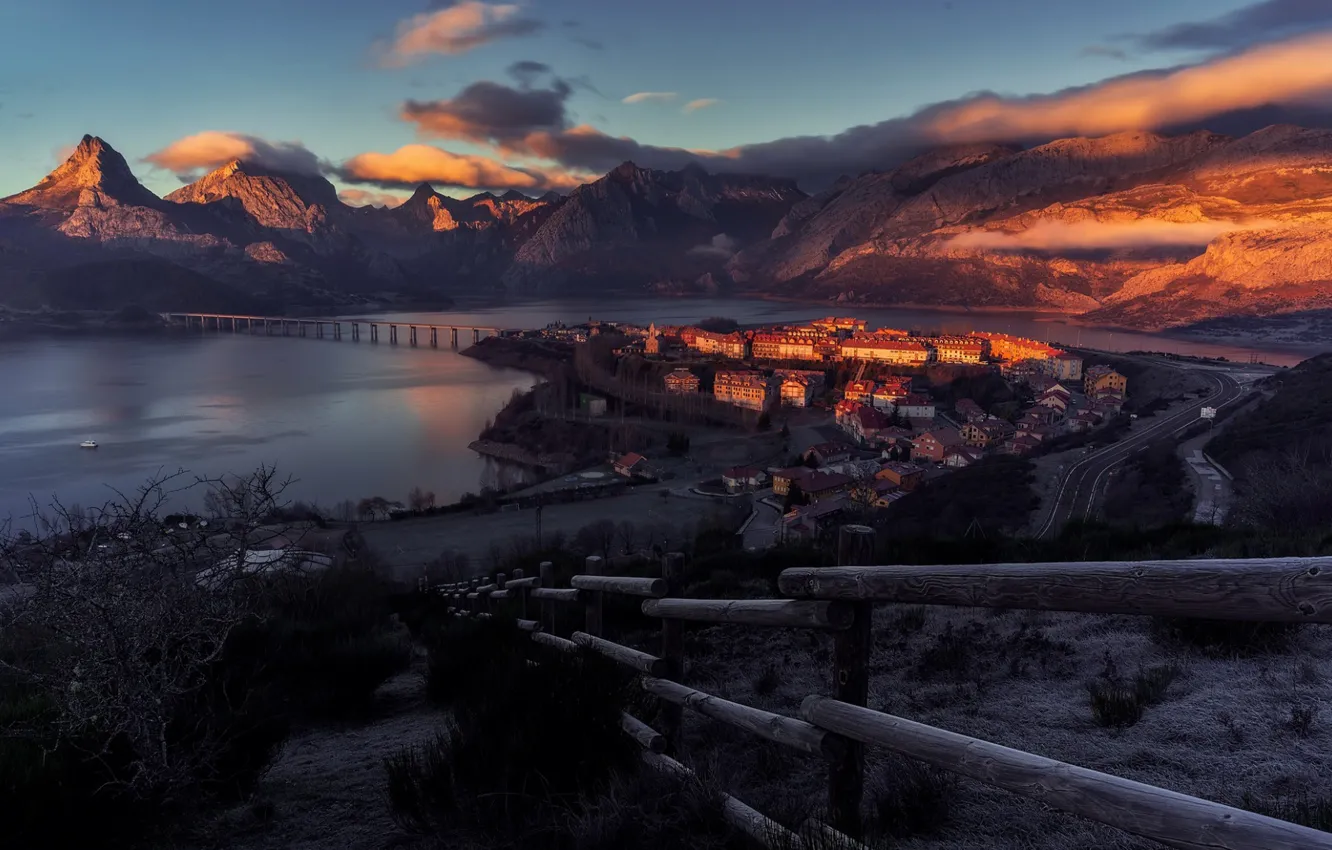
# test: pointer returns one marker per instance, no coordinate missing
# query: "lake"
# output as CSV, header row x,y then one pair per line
x,y
346,420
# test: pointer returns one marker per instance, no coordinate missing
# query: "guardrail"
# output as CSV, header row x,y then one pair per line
x,y
837,728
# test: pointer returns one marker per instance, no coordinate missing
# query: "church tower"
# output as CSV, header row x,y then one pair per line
x,y
653,344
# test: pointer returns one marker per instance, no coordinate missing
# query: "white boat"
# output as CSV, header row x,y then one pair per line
x,y
88,444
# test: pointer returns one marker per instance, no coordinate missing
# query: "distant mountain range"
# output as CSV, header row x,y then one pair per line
x,y
1134,229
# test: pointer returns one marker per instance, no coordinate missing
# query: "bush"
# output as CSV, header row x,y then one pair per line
x,y
909,797
1305,809
524,743
1115,702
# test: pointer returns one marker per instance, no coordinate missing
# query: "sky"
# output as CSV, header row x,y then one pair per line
x,y
544,94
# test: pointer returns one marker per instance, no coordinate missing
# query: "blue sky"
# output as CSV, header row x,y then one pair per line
x,y
145,73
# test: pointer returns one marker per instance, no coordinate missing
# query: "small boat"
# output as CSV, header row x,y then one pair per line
x,y
88,444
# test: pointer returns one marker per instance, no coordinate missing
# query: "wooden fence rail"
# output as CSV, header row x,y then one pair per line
x,y
1285,590
838,600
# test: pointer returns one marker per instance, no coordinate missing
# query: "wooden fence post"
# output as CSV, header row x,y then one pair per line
x,y
547,575
498,606
522,596
672,649
851,650
476,600
592,607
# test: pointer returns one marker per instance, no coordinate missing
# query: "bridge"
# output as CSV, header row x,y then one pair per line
x,y
331,328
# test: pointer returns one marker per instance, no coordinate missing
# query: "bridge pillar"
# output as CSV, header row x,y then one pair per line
x,y
411,335
453,334
476,335
337,330
434,337
393,334
233,324
374,332
356,331
300,327
319,330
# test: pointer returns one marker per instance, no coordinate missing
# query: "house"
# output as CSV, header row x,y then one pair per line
x,y
905,475
782,478
1054,401
1022,444
954,349
876,493
681,382
888,392
743,479
731,345
986,433
1064,366
825,453
1084,420
857,470
1099,380
746,389
633,465
797,391
932,444
903,351
960,456
864,423
825,485
594,405
810,522
785,346
860,392
969,411
916,406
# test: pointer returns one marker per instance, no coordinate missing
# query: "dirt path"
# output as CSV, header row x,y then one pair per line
x,y
326,790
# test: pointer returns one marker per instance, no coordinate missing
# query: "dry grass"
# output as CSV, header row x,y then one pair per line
x,y
1222,728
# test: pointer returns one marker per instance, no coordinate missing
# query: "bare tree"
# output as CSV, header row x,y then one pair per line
x,y
628,533
134,614
450,566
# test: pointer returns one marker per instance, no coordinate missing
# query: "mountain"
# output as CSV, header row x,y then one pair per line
x,y
1138,229
1080,225
641,226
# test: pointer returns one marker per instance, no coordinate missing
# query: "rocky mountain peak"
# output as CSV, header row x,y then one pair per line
x,y
94,173
287,201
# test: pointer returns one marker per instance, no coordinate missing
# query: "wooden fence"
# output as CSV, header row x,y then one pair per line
x,y
836,728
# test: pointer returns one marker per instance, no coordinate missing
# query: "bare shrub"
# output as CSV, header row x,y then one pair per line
x,y
1302,719
1225,638
909,797
1308,810
1116,701
768,681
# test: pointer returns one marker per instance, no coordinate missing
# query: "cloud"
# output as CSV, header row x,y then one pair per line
x,y
646,96
491,112
1104,235
721,246
457,29
369,198
1248,25
526,71
1237,93
211,148
412,165
701,103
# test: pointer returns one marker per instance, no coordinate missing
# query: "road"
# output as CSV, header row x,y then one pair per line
x,y
1076,495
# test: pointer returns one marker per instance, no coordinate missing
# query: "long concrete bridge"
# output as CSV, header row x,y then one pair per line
x,y
331,328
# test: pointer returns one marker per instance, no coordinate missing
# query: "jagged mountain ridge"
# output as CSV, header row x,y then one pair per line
x,y
958,226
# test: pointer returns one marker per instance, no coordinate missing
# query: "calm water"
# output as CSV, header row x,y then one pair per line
x,y
347,420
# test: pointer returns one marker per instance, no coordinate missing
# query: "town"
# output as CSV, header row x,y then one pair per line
x,y
891,410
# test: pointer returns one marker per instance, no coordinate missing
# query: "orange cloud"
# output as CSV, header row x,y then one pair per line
x,y
414,164
1105,235
457,29
1289,72
645,96
213,148
369,198
701,103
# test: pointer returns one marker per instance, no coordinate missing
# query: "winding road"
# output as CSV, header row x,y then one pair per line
x,y
1076,495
